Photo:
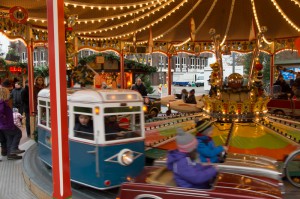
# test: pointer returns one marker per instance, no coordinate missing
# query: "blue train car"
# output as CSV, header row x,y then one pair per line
x,y
106,135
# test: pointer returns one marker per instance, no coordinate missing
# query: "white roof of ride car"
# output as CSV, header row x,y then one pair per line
x,y
98,95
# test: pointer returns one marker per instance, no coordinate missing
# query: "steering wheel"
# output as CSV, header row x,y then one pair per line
x,y
222,156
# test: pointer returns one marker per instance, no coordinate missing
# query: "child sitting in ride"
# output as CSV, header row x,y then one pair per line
x,y
84,128
207,150
188,173
112,128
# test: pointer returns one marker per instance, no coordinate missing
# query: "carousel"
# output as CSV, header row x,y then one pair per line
x,y
238,106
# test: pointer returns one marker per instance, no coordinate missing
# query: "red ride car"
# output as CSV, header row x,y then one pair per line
x,y
284,107
157,183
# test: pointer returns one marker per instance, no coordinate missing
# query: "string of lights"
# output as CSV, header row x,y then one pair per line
x,y
257,21
285,16
119,16
228,23
296,2
111,6
126,23
142,28
202,23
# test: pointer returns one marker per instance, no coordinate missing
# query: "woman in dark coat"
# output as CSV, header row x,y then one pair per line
x,y
7,127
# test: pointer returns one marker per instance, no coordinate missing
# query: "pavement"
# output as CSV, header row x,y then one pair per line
x,y
12,184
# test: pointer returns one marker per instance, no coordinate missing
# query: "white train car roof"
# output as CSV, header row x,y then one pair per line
x,y
45,93
98,95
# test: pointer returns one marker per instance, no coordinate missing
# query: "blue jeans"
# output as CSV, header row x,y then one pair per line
x,y
13,137
27,123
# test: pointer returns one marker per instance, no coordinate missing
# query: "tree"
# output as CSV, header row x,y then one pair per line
x,y
264,59
11,54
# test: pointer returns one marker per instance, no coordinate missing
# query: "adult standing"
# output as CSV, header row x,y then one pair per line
x,y
25,103
39,84
5,84
16,97
140,87
7,127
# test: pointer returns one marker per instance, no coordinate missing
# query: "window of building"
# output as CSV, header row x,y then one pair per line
x,y
166,61
35,58
197,63
177,62
202,63
193,62
43,59
24,57
161,63
184,64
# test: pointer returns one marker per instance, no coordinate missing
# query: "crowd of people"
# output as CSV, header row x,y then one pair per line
x,y
288,90
14,101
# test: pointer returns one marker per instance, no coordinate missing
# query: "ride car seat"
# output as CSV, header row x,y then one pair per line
x,y
161,176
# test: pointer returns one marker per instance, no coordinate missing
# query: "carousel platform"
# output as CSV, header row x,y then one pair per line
x,y
39,180
31,179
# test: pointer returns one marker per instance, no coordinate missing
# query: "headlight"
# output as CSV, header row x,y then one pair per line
x,y
145,109
125,157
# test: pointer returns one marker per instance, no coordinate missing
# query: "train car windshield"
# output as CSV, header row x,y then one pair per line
x,y
122,125
84,127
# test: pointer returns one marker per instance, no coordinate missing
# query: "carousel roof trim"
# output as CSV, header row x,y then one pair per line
x,y
179,23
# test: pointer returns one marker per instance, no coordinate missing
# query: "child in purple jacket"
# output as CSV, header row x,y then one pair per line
x,y
188,173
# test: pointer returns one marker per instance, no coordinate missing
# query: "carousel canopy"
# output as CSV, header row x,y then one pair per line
x,y
171,21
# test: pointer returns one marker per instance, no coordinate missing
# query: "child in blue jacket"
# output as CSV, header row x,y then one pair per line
x,y
188,173
207,150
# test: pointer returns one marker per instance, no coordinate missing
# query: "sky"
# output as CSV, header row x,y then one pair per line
x,y
5,42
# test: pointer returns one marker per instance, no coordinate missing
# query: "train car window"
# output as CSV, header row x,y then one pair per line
x,y
44,113
49,113
84,127
122,126
43,116
83,109
122,109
